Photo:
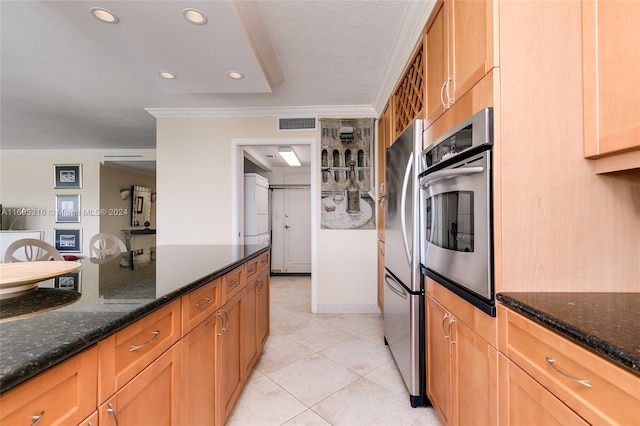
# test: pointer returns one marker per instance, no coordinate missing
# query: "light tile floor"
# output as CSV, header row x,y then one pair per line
x,y
324,369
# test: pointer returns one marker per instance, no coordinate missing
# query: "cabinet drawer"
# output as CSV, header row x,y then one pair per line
x,y
264,262
232,283
253,268
64,394
125,353
610,395
199,304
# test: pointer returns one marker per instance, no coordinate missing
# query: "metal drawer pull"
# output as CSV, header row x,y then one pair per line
x,y
136,347
584,383
36,419
444,318
232,283
207,300
261,281
451,321
113,411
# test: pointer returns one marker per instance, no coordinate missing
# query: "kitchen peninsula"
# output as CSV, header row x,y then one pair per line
x,y
171,323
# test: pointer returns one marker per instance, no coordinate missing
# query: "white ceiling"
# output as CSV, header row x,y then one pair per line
x,y
69,81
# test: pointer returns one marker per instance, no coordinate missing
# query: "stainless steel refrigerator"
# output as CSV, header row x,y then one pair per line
x,y
403,289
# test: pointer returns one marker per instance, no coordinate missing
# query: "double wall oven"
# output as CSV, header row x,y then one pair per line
x,y
456,221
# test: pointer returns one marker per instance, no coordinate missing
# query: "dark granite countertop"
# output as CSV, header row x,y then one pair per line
x,y
66,315
605,323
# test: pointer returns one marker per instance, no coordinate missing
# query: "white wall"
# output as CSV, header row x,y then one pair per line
x,y
26,180
195,179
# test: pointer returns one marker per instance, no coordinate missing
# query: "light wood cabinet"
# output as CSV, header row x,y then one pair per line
x,y
200,304
611,83
524,401
199,374
233,282
229,368
385,139
593,387
151,398
264,310
462,369
128,351
64,394
460,51
92,420
250,343
381,275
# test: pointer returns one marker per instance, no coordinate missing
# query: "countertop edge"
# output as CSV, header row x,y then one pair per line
x,y
602,348
59,354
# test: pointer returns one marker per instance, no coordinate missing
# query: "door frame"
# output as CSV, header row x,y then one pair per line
x,y
237,196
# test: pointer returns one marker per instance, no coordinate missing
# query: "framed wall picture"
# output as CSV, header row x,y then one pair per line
x,y
68,240
67,208
71,281
67,176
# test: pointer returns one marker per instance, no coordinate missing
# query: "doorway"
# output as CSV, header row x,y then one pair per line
x,y
237,170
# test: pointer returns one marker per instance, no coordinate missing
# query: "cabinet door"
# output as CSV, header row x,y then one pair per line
x,y
439,359
229,369
250,348
381,275
470,43
64,394
150,398
264,309
475,376
92,420
437,66
611,69
525,402
198,374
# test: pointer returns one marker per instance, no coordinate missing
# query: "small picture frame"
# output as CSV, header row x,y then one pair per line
x,y
67,175
68,208
68,240
70,281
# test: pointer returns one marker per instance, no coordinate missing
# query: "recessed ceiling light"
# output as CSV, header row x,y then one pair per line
x,y
234,74
104,15
167,75
194,16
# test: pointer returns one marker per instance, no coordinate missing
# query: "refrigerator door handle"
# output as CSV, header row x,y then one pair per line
x,y
403,212
395,287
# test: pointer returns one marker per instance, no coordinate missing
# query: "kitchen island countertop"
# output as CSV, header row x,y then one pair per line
x,y
37,333
605,323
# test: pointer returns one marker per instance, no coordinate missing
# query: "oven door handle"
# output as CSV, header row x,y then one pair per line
x,y
403,208
441,174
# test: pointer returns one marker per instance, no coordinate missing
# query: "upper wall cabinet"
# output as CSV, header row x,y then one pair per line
x,y
611,78
460,51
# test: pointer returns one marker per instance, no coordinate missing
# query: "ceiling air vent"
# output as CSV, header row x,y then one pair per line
x,y
297,123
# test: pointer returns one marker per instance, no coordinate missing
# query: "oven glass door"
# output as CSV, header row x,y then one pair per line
x,y
456,224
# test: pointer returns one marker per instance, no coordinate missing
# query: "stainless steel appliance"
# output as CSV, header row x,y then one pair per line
x,y
403,290
456,222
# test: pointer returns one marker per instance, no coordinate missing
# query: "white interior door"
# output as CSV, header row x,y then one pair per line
x,y
297,227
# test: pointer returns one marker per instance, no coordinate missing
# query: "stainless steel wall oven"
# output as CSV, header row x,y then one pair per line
x,y
456,220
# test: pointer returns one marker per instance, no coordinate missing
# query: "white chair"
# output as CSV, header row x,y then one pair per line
x,y
105,244
32,250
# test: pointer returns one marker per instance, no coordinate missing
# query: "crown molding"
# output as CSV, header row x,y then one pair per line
x,y
411,30
111,154
325,110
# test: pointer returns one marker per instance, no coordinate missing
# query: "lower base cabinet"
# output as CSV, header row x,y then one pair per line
x,y
151,398
53,397
462,369
198,374
229,369
527,402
